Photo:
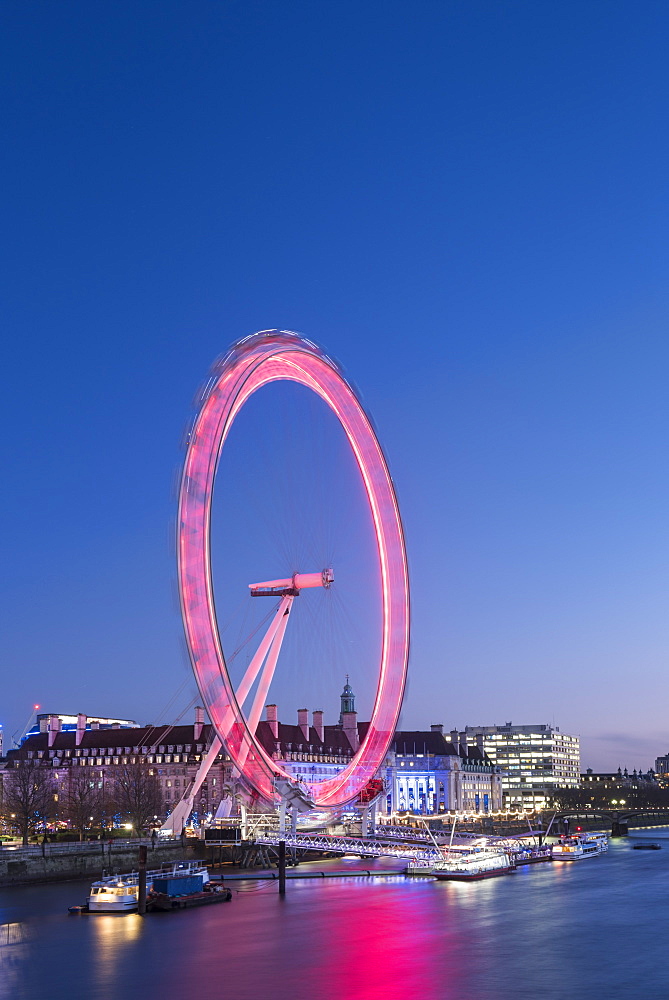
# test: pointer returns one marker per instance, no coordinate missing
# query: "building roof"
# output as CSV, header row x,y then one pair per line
x,y
410,743
94,739
291,739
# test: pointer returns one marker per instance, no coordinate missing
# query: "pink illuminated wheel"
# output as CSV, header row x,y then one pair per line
x,y
252,363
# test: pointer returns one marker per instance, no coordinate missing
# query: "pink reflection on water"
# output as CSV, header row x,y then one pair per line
x,y
385,948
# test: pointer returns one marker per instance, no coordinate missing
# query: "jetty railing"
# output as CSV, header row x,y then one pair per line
x,y
113,846
363,846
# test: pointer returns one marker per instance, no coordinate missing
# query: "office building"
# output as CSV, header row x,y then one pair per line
x,y
535,761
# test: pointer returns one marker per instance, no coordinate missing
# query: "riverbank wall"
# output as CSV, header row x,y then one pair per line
x,y
87,861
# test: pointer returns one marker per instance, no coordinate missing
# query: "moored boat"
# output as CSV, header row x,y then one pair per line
x,y
474,866
575,847
176,899
420,867
120,893
531,855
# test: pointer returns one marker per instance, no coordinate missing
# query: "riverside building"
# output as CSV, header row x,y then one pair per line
x,y
535,761
427,773
70,723
312,752
423,771
172,753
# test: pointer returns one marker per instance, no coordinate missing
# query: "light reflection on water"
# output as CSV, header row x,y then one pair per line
x,y
111,933
557,932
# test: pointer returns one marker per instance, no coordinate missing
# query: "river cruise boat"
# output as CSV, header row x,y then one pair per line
x,y
577,846
474,866
119,893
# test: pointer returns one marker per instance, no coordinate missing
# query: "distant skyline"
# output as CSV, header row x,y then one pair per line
x,y
467,205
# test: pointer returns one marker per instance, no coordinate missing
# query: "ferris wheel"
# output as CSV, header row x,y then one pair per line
x,y
235,705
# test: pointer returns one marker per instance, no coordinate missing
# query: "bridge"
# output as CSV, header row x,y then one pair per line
x,y
368,847
397,845
619,819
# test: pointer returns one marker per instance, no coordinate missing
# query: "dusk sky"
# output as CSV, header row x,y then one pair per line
x,y
467,204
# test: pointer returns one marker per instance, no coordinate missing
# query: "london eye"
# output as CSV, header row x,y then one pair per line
x,y
234,703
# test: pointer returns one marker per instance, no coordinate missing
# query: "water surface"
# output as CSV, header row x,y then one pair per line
x,y
591,929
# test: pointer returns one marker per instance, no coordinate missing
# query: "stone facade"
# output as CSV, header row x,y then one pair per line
x,y
173,753
427,774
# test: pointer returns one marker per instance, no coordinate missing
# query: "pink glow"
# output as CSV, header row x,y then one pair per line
x,y
252,363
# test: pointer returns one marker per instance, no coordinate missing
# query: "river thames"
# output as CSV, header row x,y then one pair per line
x,y
562,931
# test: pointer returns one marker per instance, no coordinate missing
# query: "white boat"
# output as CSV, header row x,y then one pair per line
x,y
473,866
577,846
601,839
418,867
120,893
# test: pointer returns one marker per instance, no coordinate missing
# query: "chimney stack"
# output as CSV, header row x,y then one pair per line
x,y
318,726
436,728
81,729
350,727
480,743
199,723
303,722
44,724
54,728
455,738
463,744
95,725
271,716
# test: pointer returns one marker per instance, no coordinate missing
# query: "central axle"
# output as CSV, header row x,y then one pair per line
x,y
293,585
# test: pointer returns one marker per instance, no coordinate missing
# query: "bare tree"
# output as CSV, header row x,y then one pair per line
x,y
29,792
136,792
82,800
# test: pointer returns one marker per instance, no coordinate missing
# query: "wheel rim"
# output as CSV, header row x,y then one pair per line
x,y
256,361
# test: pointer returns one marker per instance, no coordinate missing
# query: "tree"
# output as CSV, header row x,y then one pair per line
x,y
136,792
82,800
29,792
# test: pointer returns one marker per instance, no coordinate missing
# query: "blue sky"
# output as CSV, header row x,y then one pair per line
x,y
466,203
